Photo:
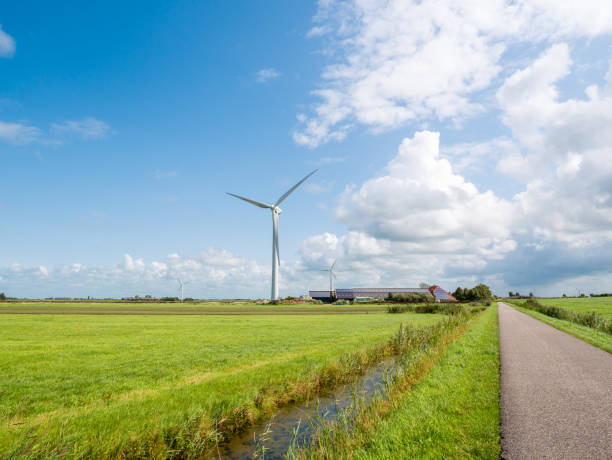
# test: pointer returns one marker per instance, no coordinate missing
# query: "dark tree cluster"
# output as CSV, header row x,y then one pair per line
x,y
479,292
2,296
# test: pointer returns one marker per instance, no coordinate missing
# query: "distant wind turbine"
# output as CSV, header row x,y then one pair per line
x,y
275,213
331,274
181,284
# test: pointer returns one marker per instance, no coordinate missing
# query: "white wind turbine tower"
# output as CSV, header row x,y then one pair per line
x,y
181,284
275,213
331,275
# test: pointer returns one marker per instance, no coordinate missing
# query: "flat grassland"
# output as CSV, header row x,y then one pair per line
x,y
186,308
599,305
99,380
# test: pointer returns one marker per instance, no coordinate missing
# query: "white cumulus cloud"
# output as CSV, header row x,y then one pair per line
x,y
421,201
398,61
568,143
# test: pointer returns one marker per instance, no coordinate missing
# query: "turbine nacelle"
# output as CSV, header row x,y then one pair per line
x,y
277,210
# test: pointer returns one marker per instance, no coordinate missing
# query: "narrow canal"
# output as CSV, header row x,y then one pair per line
x,y
296,424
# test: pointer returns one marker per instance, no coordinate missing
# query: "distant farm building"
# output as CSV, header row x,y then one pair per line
x,y
353,294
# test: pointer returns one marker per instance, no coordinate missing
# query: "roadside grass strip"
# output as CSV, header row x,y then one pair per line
x,y
600,305
170,386
444,410
584,318
594,337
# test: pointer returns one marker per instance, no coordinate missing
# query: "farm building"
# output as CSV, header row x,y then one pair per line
x,y
379,293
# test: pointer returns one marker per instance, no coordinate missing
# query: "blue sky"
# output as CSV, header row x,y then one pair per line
x,y
455,145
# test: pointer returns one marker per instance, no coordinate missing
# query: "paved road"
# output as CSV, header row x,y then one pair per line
x,y
556,392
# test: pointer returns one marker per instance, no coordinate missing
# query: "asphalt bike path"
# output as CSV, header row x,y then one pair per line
x,y
556,392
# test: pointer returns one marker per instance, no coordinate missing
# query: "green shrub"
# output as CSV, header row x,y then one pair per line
x,y
411,297
428,308
399,308
450,309
442,308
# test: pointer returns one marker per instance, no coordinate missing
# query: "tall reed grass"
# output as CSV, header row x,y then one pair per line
x,y
442,308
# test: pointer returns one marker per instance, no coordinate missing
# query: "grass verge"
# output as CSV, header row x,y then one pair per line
x,y
600,305
453,412
589,335
590,319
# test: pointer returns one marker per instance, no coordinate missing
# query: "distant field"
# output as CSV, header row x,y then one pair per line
x,y
170,308
600,305
99,383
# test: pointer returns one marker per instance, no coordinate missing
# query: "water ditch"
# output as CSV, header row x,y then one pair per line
x,y
295,425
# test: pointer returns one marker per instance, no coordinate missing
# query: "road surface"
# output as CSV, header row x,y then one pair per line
x,y
556,392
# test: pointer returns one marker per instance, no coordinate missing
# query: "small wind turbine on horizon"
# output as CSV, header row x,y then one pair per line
x,y
181,284
275,213
331,274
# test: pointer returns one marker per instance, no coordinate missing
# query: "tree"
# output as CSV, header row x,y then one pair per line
x,y
510,293
2,296
481,292
459,293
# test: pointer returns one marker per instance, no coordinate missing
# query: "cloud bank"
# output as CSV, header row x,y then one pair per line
x,y
401,61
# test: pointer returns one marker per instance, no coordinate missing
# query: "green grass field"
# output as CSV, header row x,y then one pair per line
x,y
100,382
453,412
600,305
187,308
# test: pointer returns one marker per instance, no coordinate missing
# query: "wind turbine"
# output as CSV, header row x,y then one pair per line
x,y
275,213
331,274
181,284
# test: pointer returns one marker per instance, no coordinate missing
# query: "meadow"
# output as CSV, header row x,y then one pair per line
x,y
177,308
599,305
102,383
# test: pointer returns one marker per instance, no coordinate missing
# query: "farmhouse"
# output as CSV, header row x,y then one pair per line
x,y
353,294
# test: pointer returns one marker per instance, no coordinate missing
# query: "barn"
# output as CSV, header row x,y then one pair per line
x,y
379,293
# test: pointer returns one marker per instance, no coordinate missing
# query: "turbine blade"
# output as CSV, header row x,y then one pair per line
x,y
334,275
288,192
256,203
333,265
